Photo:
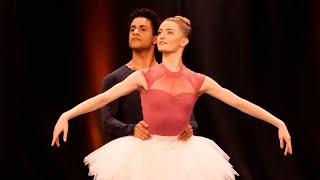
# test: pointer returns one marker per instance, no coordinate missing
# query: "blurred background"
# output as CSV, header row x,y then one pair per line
x,y
54,55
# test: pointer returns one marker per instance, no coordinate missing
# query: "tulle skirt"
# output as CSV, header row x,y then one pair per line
x,y
160,158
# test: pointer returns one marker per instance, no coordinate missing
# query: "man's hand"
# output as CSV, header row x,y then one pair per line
x,y
140,131
186,134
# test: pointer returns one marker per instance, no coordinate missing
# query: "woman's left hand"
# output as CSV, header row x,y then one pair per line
x,y
285,137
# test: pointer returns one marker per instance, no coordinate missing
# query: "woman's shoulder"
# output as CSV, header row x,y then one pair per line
x,y
195,78
190,72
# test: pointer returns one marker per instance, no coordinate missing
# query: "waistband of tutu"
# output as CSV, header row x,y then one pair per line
x,y
164,137
163,142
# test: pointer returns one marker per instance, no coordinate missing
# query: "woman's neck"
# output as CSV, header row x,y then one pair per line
x,y
173,62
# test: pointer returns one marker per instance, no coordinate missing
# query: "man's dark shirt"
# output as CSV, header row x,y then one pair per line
x,y
121,115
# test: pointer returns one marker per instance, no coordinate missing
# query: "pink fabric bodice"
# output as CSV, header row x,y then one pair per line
x,y
168,103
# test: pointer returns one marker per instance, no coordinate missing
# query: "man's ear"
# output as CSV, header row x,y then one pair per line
x,y
184,42
154,40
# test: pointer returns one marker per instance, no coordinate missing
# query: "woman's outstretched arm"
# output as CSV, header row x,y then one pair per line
x,y
212,88
133,82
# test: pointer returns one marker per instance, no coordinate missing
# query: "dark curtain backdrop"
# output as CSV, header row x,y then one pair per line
x,y
265,51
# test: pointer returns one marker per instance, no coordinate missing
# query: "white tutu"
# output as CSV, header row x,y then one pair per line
x,y
160,158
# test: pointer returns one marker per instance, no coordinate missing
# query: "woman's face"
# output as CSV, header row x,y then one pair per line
x,y
170,37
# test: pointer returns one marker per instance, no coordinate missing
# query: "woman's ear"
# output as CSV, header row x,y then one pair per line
x,y
184,42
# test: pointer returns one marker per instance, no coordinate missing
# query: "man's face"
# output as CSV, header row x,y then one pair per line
x,y
141,34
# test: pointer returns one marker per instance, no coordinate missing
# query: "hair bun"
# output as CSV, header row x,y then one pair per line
x,y
183,19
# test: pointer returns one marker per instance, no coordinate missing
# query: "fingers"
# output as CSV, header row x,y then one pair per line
x,y
285,137
61,126
281,142
185,135
65,134
58,142
286,151
288,147
141,131
142,134
55,139
144,124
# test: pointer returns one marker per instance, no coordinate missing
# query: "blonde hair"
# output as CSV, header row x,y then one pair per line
x,y
183,22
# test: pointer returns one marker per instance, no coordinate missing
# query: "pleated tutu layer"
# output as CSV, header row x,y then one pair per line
x,y
161,158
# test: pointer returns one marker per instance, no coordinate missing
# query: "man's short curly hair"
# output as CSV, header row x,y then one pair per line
x,y
147,13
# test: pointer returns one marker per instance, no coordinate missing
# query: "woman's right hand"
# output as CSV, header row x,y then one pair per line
x,y
61,126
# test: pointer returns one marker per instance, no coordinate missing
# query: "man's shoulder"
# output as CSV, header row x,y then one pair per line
x,y
118,74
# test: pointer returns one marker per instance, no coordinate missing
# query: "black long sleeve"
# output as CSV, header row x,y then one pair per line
x,y
120,116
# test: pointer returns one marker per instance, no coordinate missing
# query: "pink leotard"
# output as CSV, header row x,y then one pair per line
x,y
168,103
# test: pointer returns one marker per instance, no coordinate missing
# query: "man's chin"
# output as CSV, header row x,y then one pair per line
x,y
135,46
